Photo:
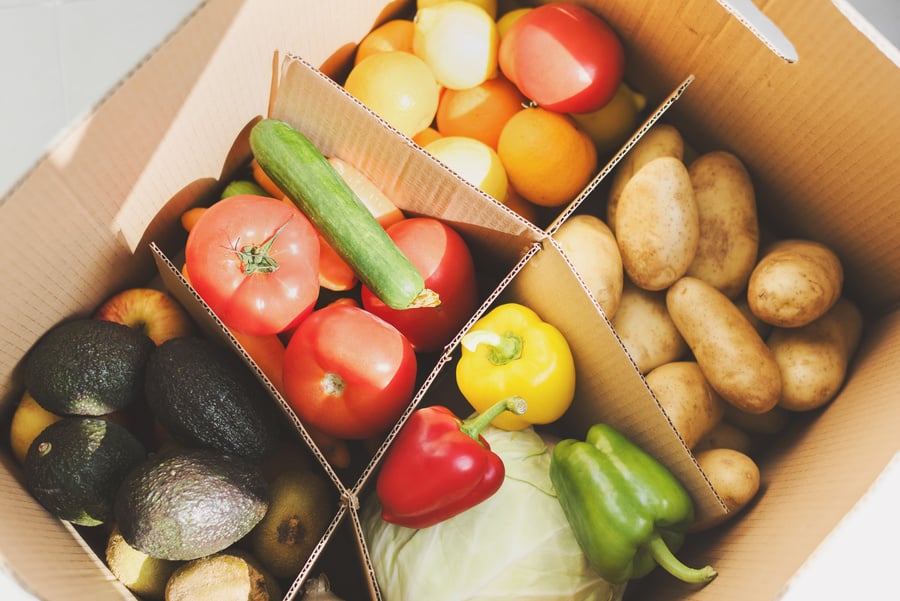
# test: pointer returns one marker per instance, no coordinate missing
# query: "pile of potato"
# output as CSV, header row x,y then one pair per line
x,y
732,335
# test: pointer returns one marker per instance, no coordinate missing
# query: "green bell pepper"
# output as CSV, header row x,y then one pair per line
x,y
628,511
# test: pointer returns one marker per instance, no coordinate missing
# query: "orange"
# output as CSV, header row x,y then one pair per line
x,y
429,134
479,112
527,210
548,159
391,35
398,87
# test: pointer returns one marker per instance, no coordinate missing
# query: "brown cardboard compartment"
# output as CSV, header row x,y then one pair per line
x,y
817,137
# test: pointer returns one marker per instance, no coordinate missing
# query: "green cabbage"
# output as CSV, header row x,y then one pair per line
x,y
515,545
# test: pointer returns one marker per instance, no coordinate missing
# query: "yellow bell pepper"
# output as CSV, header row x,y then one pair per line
x,y
511,351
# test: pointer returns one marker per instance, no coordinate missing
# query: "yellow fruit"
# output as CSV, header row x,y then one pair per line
x,y
143,575
547,158
397,86
396,34
490,6
474,161
611,125
507,19
29,420
458,41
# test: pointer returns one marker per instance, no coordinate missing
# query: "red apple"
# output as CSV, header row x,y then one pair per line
x,y
149,310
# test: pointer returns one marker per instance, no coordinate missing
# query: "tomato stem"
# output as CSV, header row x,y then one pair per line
x,y
256,259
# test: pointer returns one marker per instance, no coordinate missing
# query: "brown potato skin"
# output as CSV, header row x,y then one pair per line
x,y
591,247
734,476
725,435
729,227
734,358
689,401
657,225
646,329
795,282
661,140
814,358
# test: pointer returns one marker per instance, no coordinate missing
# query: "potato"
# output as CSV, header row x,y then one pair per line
x,y
795,282
767,423
734,476
657,225
734,358
814,358
761,327
592,248
725,435
729,227
690,403
647,332
661,140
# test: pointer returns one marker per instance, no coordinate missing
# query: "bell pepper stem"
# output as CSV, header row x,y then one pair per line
x,y
475,425
665,558
504,348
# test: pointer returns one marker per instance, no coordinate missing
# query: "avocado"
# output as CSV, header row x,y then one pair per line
x,y
87,367
205,396
75,466
188,503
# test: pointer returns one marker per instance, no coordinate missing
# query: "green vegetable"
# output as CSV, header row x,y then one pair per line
x,y
516,544
627,510
242,186
297,167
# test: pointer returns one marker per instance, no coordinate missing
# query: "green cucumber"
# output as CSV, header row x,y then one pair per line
x,y
303,173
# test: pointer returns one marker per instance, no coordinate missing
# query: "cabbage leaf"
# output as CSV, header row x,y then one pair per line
x,y
515,545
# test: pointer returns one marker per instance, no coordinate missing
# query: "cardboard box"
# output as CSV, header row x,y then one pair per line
x,y
817,134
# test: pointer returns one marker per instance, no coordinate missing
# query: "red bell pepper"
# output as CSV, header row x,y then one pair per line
x,y
439,466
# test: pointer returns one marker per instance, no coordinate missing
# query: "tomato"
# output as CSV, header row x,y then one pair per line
x,y
443,258
348,372
563,57
255,261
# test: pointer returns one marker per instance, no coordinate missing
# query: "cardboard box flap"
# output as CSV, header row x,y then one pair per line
x,y
762,27
63,252
825,167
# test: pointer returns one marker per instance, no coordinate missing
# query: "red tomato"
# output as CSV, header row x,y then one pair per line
x,y
563,57
442,257
255,289
348,373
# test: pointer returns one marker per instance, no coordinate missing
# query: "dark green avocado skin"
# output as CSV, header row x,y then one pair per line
x,y
190,503
75,466
87,367
205,396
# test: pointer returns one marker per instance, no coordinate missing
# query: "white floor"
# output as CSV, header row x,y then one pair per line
x,y
59,57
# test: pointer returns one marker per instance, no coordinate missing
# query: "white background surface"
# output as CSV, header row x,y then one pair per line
x,y
58,58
